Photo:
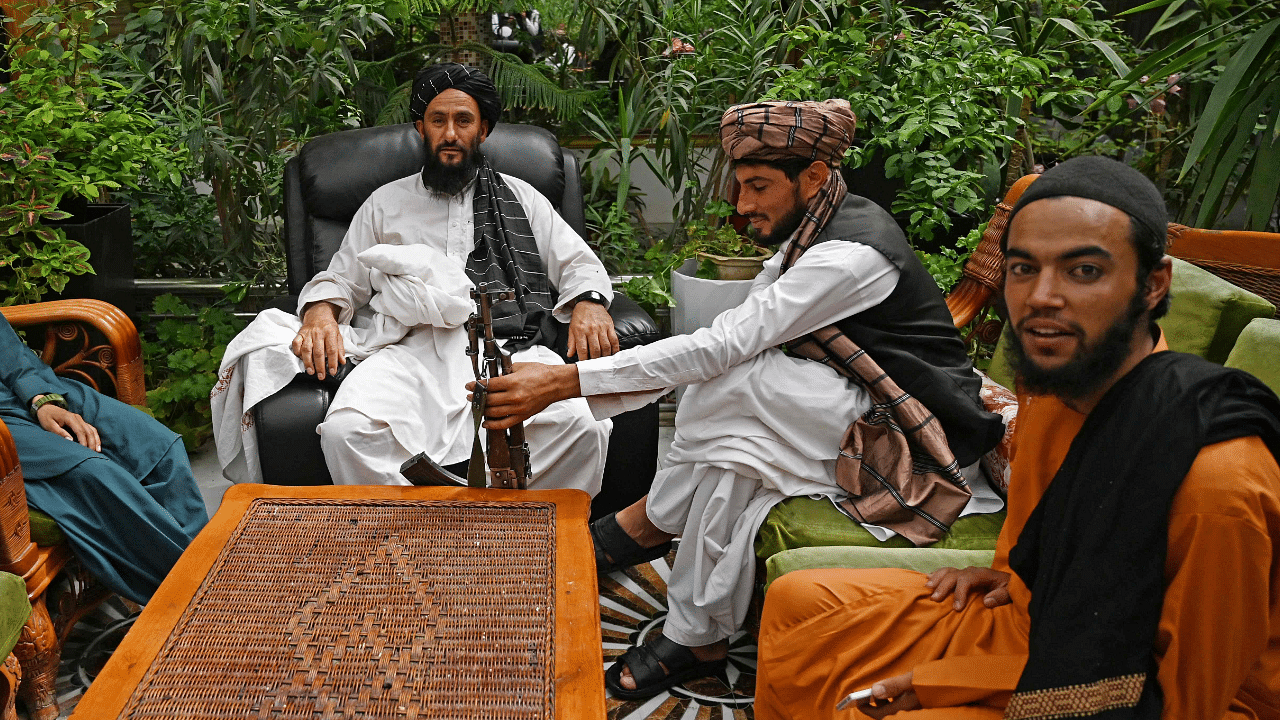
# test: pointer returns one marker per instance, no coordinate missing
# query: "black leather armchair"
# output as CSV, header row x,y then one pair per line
x,y
324,186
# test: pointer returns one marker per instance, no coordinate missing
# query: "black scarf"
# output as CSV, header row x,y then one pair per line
x,y
505,257
1093,550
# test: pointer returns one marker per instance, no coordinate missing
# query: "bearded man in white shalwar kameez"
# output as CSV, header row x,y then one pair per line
x,y
756,424
409,397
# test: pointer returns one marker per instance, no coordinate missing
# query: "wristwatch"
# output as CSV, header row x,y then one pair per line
x,y
41,400
592,296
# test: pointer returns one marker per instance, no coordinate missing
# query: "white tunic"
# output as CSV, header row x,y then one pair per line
x,y
415,390
755,427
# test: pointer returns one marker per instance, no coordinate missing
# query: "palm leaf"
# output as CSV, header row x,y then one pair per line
x,y
1232,77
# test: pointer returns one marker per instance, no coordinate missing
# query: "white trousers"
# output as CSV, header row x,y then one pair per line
x,y
365,433
765,430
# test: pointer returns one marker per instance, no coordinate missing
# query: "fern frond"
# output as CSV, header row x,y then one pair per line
x,y
524,85
396,109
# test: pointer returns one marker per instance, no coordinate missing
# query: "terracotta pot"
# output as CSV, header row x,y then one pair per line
x,y
737,268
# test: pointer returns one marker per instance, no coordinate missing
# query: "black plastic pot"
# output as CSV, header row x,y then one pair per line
x,y
106,230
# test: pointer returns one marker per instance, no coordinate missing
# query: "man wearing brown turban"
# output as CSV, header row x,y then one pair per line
x,y
757,424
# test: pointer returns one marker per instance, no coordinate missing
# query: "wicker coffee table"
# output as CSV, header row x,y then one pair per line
x,y
370,602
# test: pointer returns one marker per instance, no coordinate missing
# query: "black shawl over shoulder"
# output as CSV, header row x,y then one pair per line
x,y
1093,550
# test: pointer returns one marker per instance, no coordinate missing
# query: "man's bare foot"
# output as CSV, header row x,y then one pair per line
x,y
704,653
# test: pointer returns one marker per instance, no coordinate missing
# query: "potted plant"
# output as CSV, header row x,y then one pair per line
x,y
68,136
721,251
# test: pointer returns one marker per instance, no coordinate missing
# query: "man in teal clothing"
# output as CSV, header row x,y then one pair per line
x,y
116,481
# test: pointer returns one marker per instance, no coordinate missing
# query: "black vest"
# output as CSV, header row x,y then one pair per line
x,y
911,334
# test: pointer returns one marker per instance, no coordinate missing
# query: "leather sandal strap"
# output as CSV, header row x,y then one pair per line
x,y
646,661
611,539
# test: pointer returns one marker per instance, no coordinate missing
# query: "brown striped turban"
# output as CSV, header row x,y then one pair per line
x,y
769,131
772,131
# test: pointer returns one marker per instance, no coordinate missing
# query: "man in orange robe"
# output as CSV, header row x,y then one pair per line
x,y
1085,278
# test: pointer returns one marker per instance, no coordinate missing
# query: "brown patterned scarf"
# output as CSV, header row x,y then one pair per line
x,y
894,461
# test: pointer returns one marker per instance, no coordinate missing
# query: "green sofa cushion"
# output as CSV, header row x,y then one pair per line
x,y
1208,313
924,560
14,609
807,522
1205,316
1257,351
44,531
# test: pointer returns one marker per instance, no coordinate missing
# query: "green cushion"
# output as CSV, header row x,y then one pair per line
x,y
14,609
1205,316
808,522
44,531
1208,313
1257,351
924,560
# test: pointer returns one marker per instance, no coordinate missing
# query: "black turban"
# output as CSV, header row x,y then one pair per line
x,y
435,79
1098,178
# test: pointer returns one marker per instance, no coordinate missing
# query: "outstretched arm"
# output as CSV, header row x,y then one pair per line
x,y
529,389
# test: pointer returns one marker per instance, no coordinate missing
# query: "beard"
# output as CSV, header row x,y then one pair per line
x,y
1089,368
786,225
449,180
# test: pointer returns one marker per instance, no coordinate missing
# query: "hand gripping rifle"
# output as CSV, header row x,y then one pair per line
x,y
508,453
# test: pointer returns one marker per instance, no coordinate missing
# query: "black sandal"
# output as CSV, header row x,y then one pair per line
x,y
612,541
651,679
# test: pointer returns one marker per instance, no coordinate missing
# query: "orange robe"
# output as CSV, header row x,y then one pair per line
x,y
826,633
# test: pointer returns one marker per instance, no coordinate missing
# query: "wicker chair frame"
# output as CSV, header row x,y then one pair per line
x,y
1250,260
95,343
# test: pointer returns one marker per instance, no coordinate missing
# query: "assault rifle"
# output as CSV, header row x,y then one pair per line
x,y
508,453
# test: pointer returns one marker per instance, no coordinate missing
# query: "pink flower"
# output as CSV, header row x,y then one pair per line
x,y
1132,103
1038,169
1157,106
1144,79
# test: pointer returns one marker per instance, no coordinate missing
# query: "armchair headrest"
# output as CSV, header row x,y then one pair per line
x,y
339,171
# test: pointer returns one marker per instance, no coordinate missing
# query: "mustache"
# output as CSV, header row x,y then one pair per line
x,y
1049,315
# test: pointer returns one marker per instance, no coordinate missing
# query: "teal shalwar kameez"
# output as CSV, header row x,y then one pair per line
x,y
128,511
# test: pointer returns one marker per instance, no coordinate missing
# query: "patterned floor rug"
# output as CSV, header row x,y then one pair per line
x,y
632,610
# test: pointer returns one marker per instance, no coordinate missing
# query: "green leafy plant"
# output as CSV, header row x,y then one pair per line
x,y
66,133
718,238
243,84
182,364
1235,128
943,98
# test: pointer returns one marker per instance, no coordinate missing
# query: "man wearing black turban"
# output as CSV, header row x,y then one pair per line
x,y
408,397
1136,573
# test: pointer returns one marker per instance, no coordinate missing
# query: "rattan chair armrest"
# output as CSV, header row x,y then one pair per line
x,y
118,329
16,548
984,271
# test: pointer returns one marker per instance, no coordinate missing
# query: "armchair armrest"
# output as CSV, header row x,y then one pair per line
x,y
632,324
17,552
120,358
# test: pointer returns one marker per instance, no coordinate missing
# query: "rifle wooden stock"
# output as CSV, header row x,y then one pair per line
x,y
422,470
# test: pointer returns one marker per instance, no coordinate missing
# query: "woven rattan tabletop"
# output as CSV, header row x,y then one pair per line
x,y
370,602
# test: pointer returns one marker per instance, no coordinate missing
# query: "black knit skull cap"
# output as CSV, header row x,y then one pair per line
x,y
1099,178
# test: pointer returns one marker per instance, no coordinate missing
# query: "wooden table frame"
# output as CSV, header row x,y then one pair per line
x,y
579,668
